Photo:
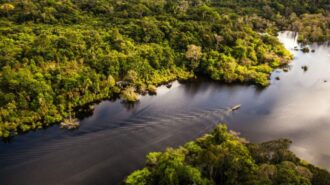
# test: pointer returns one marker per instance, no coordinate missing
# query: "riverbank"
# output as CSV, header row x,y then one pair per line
x,y
56,61
182,113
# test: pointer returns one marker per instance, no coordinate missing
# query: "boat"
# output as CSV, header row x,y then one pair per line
x,y
236,107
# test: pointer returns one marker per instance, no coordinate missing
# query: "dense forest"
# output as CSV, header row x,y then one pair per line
x,y
224,158
311,18
56,56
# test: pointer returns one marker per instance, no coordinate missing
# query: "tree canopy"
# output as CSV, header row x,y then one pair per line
x,y
223,158
56,56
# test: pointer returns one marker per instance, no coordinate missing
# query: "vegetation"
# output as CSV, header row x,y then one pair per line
x,y
305,68
222,158
152,89
305,50
129,95
310,18
56,56
70,124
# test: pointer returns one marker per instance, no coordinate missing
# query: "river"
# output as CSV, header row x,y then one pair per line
x,y
113,141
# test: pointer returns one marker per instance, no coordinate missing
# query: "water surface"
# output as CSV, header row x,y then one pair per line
x,y
114,140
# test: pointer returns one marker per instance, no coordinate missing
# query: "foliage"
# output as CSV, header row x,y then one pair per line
x,y
221,157
312,27
6,7
308,17
129,95
152,89
58,55
194,54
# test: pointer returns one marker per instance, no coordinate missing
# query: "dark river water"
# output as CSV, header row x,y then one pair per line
x,y
115,139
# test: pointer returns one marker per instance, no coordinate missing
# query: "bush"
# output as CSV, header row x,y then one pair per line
x,y
129,95
152,89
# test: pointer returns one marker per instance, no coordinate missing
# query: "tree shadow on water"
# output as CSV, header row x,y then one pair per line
x,y
130,105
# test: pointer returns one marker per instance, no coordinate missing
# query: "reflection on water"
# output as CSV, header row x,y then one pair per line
x,y
114,140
